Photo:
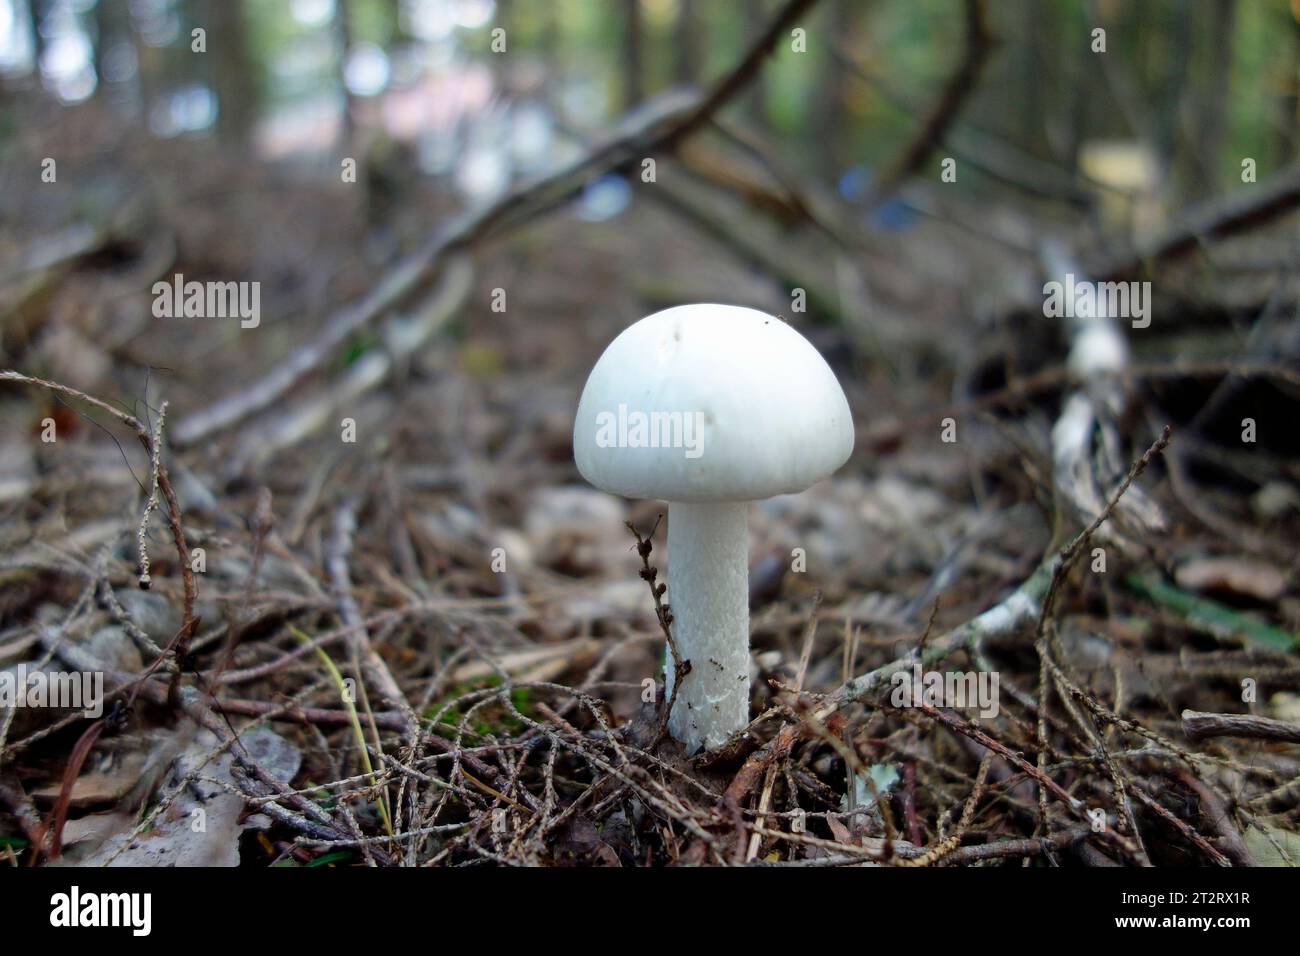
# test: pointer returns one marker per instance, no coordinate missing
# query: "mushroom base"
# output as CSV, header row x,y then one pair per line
x,y
708,592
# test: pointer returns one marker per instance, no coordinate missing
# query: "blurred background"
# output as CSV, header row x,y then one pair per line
x,y
171,102
307,145
303,82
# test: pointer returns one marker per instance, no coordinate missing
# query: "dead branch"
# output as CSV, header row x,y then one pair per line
x,y
358,639
1200,726
1181,826
285,428
1071,552
309,715
1218,815
1208,222
664,615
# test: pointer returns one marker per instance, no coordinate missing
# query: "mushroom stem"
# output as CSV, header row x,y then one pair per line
x,y
708,592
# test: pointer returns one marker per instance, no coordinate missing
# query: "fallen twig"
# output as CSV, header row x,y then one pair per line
x,y
1018,608
179,644
369,664
1215,219
1200,726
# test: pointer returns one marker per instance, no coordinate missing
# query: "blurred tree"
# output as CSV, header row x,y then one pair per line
x,y
112,34
343,39
549,46
688,40
633,67
1213,93
755,101
830,126
36,10
1080,82
233,75
1176,32
400,33
1288,127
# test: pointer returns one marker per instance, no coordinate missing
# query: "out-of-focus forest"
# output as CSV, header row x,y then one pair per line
x,y
304,81
326,544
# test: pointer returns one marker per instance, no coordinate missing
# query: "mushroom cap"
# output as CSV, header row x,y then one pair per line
x,y
758,411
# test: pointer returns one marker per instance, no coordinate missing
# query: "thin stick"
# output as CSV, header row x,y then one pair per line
x,y
151,503
179,644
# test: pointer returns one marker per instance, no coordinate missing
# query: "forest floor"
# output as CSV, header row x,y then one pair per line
x,y
441,562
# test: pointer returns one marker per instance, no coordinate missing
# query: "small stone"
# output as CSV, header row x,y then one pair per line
x,y
112,648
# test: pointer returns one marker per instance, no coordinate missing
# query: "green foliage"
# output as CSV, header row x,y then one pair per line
x,y
357,346
336,856
491,719
1210,615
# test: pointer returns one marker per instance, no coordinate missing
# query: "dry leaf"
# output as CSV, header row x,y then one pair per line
x,y
1245,577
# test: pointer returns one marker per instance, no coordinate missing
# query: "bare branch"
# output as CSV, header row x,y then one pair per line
x,y
1198,726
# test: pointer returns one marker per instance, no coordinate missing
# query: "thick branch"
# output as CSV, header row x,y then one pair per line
x,y
1212,220
1199,726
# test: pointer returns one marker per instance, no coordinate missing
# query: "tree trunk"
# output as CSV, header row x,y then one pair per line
x,y
112,29
1178,54
689,41
1214,98
232,71
633,83
35,11
827,109
755,101
1288,138
343,43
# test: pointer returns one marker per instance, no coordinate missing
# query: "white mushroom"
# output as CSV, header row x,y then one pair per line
x,y
709,407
